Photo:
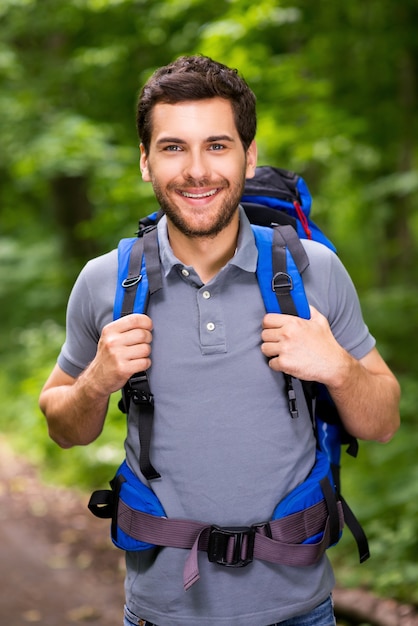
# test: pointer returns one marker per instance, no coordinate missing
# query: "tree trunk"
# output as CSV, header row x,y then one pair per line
x,y
72,207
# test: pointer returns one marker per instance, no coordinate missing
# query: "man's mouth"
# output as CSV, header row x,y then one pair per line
x,y
198,196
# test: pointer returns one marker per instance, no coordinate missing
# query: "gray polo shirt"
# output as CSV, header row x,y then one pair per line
x,y
223,441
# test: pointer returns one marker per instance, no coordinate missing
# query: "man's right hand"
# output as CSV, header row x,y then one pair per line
x,y
75,408
124,348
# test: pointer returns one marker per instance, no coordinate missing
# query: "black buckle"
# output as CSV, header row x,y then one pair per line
x,y
139,390
291,396
231,547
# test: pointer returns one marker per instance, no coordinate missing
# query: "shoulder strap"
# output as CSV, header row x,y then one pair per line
x,y
281,261
286,240
139,273
288,261
139,276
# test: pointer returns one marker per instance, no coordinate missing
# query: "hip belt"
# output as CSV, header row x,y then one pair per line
x,y
303,525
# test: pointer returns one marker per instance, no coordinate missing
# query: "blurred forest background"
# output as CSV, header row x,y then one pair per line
x,y
337,101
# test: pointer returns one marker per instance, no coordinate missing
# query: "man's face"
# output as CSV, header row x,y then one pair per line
x,y
197,164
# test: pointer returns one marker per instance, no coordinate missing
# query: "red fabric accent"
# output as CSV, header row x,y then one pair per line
x,y
303,219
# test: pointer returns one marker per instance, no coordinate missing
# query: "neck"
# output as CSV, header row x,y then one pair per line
x,y
207,255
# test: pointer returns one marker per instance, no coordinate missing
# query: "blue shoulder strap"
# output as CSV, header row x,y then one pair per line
x,y
133,276
138,278
139,273
287,280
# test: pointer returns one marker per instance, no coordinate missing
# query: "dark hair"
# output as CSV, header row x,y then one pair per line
x,y
197,78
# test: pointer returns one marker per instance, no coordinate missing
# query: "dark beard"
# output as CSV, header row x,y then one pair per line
x,y
224,217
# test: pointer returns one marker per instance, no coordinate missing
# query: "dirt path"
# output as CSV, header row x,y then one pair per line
x,y
57,567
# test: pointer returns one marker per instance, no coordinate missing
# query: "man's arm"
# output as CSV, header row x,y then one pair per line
x,y
367,397
75,408
365,391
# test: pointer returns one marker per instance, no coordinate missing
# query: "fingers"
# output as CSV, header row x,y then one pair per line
x,y
131,329
284,339
271,335
124,348
304,348
278,320
130,322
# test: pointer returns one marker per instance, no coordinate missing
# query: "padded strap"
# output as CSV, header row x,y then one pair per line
x,y
267,216
141,268
134,277
144,261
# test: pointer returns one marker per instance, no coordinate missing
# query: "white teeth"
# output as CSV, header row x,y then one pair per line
x,y
186,194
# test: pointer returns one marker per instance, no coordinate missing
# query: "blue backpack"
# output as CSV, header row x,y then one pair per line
x,y
311,517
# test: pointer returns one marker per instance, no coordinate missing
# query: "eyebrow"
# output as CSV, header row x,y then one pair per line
x,y
170,140
211,139
220,138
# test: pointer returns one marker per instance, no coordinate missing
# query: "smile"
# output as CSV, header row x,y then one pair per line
x,y
197,196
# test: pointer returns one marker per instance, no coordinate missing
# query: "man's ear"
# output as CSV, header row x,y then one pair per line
x,y
251,160
143,163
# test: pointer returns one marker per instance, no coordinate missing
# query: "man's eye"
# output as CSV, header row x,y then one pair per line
x,y
172,148
217,146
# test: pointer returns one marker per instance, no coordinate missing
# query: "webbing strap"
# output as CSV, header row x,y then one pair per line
x,y
288,236
278,541
329,495
143,401
285,238
282,283
357,531
152,260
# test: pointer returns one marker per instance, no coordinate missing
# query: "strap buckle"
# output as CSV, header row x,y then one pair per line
x,y
231,547
139,390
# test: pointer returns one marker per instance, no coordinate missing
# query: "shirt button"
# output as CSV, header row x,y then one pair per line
x,y
185,272
210,326
206,295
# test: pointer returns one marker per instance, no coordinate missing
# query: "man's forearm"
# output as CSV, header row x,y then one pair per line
x,y
75,411
367,399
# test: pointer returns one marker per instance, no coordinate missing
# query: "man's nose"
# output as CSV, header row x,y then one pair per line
x,y
196,166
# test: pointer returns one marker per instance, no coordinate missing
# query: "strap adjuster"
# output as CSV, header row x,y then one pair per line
x,y
138,389
231,547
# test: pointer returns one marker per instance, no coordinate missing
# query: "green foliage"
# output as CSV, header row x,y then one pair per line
x,y
337,100
22,422
382,483
382,487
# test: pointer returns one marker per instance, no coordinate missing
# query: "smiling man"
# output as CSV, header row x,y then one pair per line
x,y
223,440
198,178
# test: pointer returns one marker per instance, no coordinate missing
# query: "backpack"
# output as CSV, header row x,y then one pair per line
x,y
311,517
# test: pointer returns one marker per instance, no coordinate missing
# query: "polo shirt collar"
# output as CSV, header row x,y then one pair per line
x,y
245,256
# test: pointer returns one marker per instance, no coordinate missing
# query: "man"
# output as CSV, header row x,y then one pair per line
x,y
223,440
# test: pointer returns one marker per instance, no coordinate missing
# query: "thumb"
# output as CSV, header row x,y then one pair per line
x,y
315,314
